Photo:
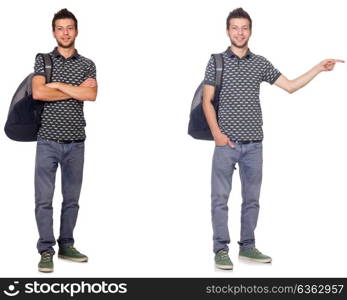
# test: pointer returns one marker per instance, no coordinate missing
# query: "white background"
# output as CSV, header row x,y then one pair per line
x,y
145,205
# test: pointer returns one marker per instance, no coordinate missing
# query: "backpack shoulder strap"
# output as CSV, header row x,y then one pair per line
x,y
218,58
48,65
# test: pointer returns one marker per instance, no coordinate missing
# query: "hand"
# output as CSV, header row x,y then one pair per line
x,y
221,140
89,82
53,85
328,64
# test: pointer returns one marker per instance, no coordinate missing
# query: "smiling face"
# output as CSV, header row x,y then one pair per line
x,y
65,32
239,32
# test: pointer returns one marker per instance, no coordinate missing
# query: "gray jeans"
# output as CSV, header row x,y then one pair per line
x,y
71,158
249,158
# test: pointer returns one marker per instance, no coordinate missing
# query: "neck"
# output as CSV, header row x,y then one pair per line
x,y
66,52
240,52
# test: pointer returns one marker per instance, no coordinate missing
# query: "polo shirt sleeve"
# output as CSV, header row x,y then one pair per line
x,y
270,73
39,68
210,73
91,71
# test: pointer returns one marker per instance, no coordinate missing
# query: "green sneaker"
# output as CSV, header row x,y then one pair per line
x,y
253,254
222,260
46,262
70,253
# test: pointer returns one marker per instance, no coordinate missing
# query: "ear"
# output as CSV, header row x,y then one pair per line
x,y
227,32
76,32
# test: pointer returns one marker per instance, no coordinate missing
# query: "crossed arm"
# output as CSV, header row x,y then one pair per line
x,y
288,85
56,91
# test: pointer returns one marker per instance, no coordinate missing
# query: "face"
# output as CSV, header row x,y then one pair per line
x,y
65,32
239,32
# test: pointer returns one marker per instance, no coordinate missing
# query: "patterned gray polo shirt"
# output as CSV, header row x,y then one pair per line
x,y
64,119
239,113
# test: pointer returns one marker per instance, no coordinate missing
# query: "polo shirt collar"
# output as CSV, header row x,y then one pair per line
x,y
231,54
57,54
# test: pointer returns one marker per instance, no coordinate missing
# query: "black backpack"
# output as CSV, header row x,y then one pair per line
x,y
198,127
24,116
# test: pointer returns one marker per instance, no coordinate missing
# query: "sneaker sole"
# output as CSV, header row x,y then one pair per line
x,y
73,259
224,267
265,260
45,270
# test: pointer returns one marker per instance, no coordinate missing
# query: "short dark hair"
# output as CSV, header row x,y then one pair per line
x,y
63,14
239,13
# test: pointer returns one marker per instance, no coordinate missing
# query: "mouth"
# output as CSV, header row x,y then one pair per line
x,y
240,40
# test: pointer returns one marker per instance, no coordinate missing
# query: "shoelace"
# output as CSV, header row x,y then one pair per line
x,y
74,249
224,254
46,257
257,251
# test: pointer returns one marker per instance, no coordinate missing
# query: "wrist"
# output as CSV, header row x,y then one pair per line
x,y
216,132
318,68
60,85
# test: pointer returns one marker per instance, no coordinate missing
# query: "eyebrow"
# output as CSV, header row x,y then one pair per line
x,y
63,26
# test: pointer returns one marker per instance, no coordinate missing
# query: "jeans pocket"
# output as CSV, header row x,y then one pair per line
x,y
258,145
79,145
41,141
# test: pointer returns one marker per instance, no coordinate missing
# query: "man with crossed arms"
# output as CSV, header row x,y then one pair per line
x,y
61,138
